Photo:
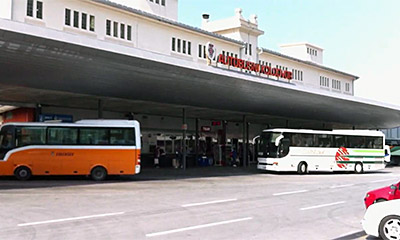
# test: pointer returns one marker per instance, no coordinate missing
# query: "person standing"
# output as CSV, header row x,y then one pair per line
x,y
157,157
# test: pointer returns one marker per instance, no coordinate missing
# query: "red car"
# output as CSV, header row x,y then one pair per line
x,y
382,194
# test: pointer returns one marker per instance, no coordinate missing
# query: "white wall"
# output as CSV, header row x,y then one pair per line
x,y
170,10
5,9
311,75
155,36
300,51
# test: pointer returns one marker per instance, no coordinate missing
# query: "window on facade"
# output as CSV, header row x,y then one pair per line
x,y
250,50
67,17
200,51
324,81
163,2
62,136
115,29
189,50
122,31
84,21
39,10
29,9
76,19
30,136
92,23
129,33
173,44
336,84
347,87
183,46
297,74
108,27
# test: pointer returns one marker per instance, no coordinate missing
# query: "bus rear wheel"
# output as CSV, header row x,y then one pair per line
x,y
302,168
98,173
358,168
22,173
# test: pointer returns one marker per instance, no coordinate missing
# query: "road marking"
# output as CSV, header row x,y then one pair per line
x,y
342,186
197,227
383,180
70,219
287,193
211,202
323,205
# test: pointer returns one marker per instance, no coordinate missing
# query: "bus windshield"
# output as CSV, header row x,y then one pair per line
x,y
267,147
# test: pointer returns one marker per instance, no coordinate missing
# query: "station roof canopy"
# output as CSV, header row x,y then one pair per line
x,y
55,68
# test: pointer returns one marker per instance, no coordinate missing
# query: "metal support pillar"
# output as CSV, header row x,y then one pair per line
x,y
244,153
100,109
196,140
223,157
247,143
38,112
184,129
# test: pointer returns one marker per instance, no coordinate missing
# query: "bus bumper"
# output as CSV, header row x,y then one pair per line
x,y
267,167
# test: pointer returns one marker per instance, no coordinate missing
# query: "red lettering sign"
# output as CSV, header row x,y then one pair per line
x,y
254,67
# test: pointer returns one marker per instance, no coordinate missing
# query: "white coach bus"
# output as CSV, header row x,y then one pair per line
x,y
311,150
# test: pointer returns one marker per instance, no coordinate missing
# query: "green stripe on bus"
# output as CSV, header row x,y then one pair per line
x,y
360,156
368,151
366,162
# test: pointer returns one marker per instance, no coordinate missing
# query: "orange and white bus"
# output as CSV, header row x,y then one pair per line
x,y
88,147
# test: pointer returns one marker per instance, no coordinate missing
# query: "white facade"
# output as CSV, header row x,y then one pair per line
x,y
151,25
304,51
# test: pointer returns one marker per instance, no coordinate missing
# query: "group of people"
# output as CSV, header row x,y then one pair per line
x,y
177,161
160,155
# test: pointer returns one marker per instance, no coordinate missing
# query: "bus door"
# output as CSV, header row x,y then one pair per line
x,y
7,140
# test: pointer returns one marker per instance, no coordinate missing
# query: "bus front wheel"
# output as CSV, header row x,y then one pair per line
x,y
22,173
98,173
302,168
358,168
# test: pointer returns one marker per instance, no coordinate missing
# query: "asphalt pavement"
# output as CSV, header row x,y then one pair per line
x,y
197,203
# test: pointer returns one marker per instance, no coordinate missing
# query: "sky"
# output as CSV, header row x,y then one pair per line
x,y
360,37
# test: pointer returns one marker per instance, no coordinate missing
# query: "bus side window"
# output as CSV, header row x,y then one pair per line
x,y
340,141
296,140
30,136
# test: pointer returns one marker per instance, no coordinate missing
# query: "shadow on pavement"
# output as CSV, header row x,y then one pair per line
x,y
353,236
147,174
150,174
